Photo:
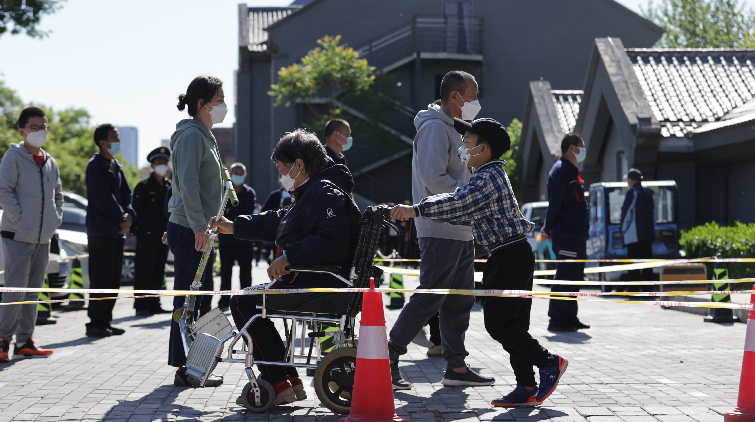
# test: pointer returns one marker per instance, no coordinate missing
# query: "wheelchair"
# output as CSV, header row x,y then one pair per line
x,y
321,317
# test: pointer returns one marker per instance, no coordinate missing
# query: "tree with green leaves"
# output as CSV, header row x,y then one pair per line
x,y
703,23
19,16
70,139
511,167
331,77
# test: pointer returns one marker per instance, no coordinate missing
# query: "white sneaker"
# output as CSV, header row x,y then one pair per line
x,y
435,351
421,339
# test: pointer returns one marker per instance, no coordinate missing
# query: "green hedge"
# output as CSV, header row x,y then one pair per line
x,y
737,241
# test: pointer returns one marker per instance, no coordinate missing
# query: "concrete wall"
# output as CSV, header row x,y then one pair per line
x,y
612,146
741,192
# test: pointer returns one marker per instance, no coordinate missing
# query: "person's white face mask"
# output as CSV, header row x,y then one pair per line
x,y
36,139
470,110
287,181
465,155
581,154
218,113
162,169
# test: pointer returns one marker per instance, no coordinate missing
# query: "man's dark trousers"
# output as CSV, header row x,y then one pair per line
x,y
564,312
105,264
151,256
640,250
243,253
507,319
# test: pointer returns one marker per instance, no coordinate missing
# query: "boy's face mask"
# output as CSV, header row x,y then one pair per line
x,y
465,155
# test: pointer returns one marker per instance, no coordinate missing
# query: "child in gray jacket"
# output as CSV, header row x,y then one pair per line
x,y
32,201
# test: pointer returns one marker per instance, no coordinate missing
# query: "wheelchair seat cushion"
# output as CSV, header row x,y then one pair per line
x,y
320,303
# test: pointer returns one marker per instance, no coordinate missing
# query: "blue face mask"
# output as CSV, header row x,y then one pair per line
x,y
115,148
348,144
581,154
237,180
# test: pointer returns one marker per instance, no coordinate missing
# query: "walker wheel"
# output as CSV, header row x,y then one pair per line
x,y
334,379
177,314
267,397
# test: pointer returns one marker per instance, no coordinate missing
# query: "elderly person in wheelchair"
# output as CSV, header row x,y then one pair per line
x,y
320,228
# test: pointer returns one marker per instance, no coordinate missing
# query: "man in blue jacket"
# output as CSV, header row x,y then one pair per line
x,y
109,217
638,225
232,249
568,224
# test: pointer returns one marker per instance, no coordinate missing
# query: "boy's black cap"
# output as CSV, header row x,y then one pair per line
x,y
490,130
160,152
634,174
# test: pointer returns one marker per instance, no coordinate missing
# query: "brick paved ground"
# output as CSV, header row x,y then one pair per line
x,y
636,364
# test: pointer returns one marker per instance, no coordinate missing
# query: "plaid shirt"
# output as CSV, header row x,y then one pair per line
x,y
488,203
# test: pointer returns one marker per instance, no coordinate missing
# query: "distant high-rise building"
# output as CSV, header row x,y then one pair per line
x,y
166,143
224,138
129,143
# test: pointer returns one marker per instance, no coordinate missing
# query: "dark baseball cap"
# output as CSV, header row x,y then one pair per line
x,y
490,130
634,174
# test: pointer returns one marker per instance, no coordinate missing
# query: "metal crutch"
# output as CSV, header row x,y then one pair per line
x,y
185,316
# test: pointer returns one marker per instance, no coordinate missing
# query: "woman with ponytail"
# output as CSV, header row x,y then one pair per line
x,y
197,193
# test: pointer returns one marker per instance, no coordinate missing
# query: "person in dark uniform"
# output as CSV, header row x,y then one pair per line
x,y
151,252
337,139
567,223
233,249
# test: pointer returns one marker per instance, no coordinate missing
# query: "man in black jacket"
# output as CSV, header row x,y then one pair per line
x,y
567,222
151,252
232,249
109,217
638,226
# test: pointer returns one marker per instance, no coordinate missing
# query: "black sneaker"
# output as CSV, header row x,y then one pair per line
x,y
158,311
459,379
143,313
116,331
581,326
182,379
99,332
398,381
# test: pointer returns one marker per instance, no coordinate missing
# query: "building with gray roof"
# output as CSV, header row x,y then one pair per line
x,y
686,115
503,44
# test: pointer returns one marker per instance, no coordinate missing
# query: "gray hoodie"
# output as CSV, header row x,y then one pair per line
x,y
31,196
197,182
436,168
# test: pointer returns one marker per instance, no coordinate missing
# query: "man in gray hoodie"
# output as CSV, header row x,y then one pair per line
x,y
32,201
447,251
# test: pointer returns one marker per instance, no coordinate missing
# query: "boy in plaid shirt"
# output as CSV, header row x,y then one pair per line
x,y
487,202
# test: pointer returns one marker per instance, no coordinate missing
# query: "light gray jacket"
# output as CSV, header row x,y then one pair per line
x,y
436,168
31,196
197,179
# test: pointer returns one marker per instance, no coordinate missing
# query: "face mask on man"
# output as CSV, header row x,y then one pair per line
x,y
115,148
470,109
465,155
348,144
237,179
36,139
162,169
581,154
218,113
287,181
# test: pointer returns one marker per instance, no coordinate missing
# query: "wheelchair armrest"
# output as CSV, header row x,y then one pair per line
x,y
313,268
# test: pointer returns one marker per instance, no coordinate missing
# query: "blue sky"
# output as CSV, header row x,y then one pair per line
x,y
126,62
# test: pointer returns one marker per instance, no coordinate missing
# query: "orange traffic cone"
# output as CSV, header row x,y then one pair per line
x,y
745,410
372,398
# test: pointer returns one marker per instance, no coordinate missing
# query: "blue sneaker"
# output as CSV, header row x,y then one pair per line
x,y
549,377
520,397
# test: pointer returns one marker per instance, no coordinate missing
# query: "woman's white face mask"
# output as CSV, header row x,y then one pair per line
x,y
287,181
218,113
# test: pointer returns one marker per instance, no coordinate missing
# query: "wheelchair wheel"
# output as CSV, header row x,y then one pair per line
x,y
267,397
334,379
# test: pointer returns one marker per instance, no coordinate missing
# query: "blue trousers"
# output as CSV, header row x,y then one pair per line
x,y
564,312
181,242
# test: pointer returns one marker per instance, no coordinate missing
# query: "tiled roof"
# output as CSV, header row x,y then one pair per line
x,y
688,89
259,19
567,108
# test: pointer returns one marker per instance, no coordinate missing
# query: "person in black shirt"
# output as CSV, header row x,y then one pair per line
x,y
151,252
337,139
233,249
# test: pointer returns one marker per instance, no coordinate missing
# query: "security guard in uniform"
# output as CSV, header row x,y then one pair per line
x,y
151,223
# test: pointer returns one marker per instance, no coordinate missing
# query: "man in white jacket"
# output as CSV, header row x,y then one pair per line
x,y
447,251
32,201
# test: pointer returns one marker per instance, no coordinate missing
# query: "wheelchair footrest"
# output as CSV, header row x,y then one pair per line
x,y
202,358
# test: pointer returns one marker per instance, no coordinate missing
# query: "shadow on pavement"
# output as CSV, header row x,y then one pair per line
x,y
572,338
70,343
153,325
157,405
